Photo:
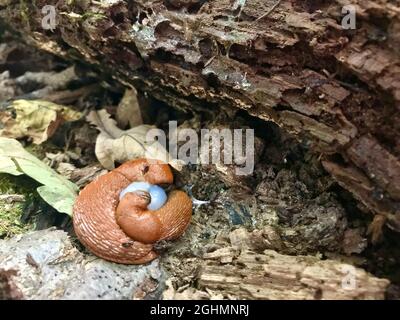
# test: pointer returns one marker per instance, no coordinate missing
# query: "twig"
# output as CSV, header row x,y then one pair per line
x,y
269,11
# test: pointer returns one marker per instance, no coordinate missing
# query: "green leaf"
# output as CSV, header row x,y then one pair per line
x,y
56,190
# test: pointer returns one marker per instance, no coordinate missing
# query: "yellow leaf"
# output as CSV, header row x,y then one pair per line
x,y
37,119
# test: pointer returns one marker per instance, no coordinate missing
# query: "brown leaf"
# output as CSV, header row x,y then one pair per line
x,y
36,119
128,111
116,145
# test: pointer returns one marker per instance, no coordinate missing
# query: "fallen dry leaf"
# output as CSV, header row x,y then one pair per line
x,y
116,145
128,111
37,119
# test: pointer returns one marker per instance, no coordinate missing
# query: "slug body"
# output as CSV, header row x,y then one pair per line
x,y
123,213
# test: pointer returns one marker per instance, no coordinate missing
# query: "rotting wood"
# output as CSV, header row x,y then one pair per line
x,y
270,275
337,90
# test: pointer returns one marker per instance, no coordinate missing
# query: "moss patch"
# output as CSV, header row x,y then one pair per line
x,y
16,193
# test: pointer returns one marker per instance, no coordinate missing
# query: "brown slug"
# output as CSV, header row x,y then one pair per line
x,y
124,230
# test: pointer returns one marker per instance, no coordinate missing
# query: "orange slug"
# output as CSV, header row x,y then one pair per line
x,y
124,231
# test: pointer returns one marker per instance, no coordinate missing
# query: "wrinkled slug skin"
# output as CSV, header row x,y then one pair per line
x,y
95,224
175,215
95,210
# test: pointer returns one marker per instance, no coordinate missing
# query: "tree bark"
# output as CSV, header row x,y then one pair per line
x,y
290,62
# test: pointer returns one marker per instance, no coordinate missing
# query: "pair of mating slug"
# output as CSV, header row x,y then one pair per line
x,y
122,214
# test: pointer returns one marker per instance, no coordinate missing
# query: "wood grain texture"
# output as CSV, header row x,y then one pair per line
x,y
273,276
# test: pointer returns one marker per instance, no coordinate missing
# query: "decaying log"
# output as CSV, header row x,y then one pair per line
x,y
337,90
270,275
